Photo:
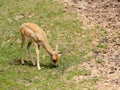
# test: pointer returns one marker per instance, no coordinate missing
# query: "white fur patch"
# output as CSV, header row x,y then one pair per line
x,y
27,38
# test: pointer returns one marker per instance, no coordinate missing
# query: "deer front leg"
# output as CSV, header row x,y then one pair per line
x,y
37,54
29,52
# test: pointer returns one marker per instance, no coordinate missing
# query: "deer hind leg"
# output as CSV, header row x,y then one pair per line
x,y
37,54
22,52
29,52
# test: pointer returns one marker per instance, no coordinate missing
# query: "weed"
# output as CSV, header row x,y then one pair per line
x,y
99,61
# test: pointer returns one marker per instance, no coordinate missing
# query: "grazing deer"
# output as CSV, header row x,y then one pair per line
x,y
34,34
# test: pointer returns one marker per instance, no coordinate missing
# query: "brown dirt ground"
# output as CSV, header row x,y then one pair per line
x,y
105,13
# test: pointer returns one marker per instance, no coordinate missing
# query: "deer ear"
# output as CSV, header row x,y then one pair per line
x,y
57,50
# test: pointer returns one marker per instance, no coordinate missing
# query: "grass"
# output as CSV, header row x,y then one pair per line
x,y
102,45
99,61
83,72
61,27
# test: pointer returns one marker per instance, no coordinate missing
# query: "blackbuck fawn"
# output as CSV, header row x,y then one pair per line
x,y
34,34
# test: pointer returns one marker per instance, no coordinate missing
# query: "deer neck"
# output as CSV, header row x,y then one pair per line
x,y
48,48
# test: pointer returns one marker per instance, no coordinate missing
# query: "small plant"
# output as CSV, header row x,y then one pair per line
x,y
85,72
95,79
102,45
99,60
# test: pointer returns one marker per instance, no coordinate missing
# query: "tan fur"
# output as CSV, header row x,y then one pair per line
x,y
34,34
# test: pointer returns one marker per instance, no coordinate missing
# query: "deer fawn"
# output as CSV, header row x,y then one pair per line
x,y
34,34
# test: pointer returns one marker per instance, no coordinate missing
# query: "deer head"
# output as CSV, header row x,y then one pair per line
x,y
56,56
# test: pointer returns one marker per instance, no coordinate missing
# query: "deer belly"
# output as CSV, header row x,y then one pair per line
x,y
28,38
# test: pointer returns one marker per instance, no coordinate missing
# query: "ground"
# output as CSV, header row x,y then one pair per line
x,y
87,32
104,13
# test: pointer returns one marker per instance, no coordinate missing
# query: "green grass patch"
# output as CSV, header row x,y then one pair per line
x,y
102,45
77,72
61,27
99,61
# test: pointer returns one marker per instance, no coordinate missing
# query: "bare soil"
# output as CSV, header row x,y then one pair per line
x,y
104,13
